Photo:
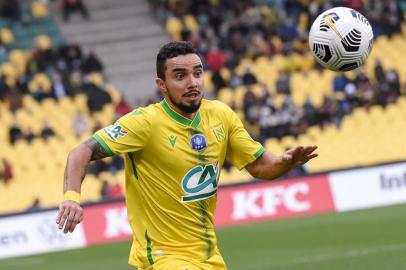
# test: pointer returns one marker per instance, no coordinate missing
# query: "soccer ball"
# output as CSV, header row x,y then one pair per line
x,y
341,39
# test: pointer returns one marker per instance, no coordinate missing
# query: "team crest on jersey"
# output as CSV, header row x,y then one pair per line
x,y
219,132
198,142
200,182
115,131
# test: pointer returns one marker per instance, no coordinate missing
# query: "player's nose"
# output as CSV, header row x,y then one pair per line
x,y
192,82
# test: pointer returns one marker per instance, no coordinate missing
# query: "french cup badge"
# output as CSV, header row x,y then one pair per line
x,y
198,142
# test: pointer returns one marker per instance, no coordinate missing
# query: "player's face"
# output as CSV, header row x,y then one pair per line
x,y
183,85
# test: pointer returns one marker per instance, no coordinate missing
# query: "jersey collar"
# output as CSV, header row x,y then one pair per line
x,y
179,118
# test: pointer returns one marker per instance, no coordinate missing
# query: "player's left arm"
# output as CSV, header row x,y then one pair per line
x,y
270,167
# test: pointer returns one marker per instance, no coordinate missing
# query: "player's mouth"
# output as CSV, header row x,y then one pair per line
x,y
192,94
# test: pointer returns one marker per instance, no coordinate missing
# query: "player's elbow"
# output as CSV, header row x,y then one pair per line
x,y
81,151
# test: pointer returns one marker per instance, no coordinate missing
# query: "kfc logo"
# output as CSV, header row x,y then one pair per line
x,y
267,201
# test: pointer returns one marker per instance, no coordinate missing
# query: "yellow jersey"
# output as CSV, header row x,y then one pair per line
x,y
172,170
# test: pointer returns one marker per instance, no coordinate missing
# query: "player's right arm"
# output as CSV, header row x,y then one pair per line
x,y
70,212
129,134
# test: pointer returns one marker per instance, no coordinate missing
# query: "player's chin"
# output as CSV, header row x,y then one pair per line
x,y
191,107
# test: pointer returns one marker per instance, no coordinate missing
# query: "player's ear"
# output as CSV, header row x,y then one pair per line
x,y
161,85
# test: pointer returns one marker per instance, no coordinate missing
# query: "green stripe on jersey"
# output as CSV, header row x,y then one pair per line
x,y
260,152
131,158
179,118
105,147
149,249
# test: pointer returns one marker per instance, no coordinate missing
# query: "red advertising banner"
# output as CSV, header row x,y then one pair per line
x,y
236,205
273,200
106,223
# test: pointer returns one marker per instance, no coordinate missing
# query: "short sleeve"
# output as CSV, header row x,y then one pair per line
x,y
129,134
241,149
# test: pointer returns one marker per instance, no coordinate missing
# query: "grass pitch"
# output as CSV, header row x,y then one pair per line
x,y
373,239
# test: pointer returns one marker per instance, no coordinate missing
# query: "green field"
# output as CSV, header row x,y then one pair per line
x,y
373,239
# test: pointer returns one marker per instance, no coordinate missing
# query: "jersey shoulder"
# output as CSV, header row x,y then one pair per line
x,y
217,109
141,116
216,105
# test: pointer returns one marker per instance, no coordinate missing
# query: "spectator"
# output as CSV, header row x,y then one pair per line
x,y
218,81
250,106
59,89
72,54
109,191
116,191
15,99
92,63
104,191
392,79
97,167
215,59
235,80
96,97
70,6
122,108
249,78
35,206
29,136
117,164
6,171
80,125
15,132
339,82
283,83
47,131
11,9
379,72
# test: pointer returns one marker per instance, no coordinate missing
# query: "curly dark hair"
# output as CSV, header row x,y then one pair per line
x,y
171,50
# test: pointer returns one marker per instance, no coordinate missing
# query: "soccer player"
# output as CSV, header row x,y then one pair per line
x,y
174,151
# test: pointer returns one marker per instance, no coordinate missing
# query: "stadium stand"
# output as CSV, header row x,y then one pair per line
x,y
292,100
52,96
256,63
124,35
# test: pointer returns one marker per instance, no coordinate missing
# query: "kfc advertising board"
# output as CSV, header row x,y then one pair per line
x,y
273,200
106,223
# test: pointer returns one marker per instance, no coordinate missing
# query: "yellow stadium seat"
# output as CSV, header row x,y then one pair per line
x,y
39,9
43,42
226,95
174,27
6,36
191,23
114,94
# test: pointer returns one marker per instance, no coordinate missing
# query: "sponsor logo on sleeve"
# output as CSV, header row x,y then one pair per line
x,y
115,131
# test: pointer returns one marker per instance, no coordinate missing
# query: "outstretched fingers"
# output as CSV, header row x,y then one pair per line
x,y
70,214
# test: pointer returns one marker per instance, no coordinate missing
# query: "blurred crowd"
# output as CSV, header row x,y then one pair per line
x,y
291,119
12,9
228,30
49,70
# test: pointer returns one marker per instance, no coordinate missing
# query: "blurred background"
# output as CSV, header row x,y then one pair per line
x,y
70,67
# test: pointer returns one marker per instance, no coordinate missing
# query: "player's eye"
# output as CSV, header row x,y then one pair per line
x,y
179,76
198,73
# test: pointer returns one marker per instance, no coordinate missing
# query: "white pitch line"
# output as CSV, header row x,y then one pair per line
x,y
357,252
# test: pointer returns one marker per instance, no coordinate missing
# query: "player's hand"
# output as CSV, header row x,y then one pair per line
x,y
299,155
70,214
